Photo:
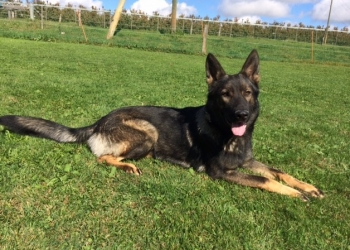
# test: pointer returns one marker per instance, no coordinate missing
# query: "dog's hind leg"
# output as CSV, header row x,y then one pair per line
x,y
117,162
260,168
131,139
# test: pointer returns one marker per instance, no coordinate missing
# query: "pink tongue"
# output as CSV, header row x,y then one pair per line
x,y
239,131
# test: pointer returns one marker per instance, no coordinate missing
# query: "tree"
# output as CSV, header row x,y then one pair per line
x,y
217,18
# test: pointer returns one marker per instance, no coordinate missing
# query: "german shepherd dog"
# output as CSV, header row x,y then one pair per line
x,y
215,138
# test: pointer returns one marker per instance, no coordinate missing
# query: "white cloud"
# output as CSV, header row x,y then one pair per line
x,y
162,7
297,1
183,8
340,11
149,7
86,3
266,8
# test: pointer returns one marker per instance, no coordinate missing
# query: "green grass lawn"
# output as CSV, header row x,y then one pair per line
x,y
56,196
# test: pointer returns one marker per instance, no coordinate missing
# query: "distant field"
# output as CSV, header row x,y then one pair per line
x,y
56,196
233,47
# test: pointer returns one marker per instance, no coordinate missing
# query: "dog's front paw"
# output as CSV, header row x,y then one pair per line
x,y
317,193
304,197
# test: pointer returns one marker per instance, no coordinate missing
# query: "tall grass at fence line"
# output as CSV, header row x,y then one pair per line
x,y
235,47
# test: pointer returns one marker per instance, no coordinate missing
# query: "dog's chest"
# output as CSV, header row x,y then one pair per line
x,y
233,154
234,146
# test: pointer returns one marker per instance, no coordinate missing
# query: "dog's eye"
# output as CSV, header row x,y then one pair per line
x,y
225,94
248,92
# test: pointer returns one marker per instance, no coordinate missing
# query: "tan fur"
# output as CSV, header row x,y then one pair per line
x,y
272,174
143,126
117,162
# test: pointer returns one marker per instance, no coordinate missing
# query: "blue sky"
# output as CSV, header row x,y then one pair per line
x,y
309,12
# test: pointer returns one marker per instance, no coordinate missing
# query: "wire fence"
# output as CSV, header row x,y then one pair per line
x,y
77,24
192,26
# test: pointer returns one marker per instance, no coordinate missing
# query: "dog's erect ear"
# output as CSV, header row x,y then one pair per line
x,y
251,67
213,69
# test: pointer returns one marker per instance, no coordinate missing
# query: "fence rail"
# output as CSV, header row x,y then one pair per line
x,y
191,26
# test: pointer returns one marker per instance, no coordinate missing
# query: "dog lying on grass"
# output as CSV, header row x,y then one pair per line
x,y
215,138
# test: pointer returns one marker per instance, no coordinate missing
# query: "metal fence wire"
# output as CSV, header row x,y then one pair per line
x,y
139,21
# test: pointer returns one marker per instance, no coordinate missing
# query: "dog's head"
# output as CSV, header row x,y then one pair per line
x,y
232,99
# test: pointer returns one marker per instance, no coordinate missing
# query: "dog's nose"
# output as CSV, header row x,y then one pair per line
x,y
242,114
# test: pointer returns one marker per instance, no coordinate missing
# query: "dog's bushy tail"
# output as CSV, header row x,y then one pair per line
x,y
39,127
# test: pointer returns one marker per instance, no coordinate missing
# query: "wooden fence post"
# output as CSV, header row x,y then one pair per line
x,y
81,24
158,24
312,46
31,11
42,18
205,35
116,17
191,30
104,19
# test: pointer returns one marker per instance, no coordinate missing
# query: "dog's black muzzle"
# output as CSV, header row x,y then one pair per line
x,y
241,115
